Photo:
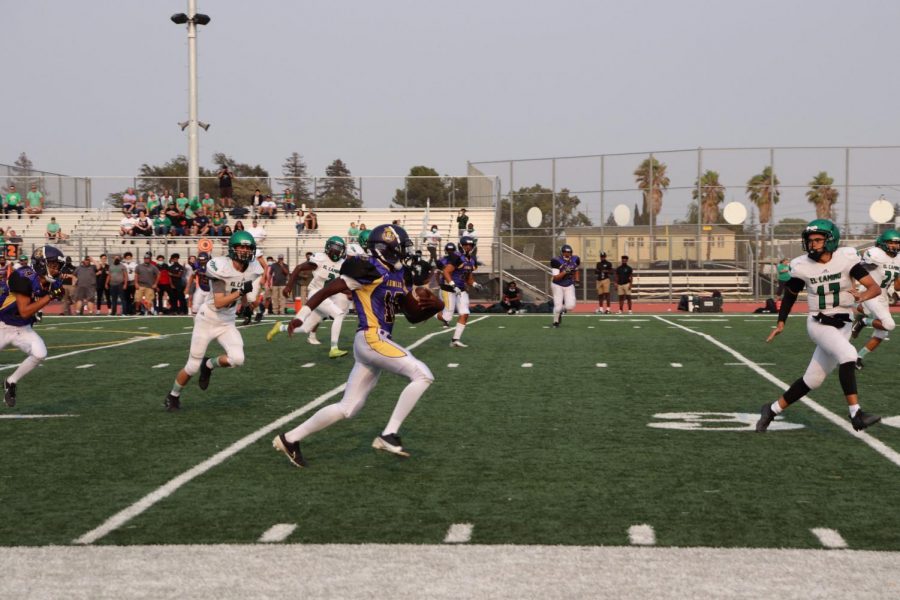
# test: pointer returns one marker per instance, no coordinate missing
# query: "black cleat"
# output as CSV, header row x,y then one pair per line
x,y
9,395
863,420
205,374
443,322
258,318
173,403
390,443
766,416
858,324
291,450
859,364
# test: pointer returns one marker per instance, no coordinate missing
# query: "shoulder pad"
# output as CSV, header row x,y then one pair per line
x,y
555,263
360,269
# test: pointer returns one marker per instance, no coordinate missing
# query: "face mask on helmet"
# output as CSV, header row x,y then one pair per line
x,y
391,245
49,263
889,241
827,229
566,250
449,248
242,247
335,248
467,244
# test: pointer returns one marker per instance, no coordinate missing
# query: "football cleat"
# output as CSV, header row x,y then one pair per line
x,y
291,450
858,324
862,420
444,323
247,320
457,344
276,328
258,317
9,393
390,443
172,403
337,353
312,339
766,416
205,374
859,364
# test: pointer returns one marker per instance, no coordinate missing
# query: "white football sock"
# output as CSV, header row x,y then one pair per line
x,y
854,408
408,398
336,330
328,415
26,367
776,408
458,331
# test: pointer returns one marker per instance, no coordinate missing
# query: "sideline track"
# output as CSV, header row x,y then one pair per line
x,y
163,492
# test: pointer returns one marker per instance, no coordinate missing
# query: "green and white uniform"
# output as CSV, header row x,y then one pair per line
x,y
335,307
884,269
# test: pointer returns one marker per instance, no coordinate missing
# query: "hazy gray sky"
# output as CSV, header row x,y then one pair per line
x,y
97,87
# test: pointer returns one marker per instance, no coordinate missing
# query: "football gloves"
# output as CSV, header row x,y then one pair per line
x,y
246,288
56,292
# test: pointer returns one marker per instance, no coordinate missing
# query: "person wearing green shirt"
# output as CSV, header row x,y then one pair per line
x,y
54,231
153,205
209,205
181,201
161,225
34,201
195,204
13,201
784,275
217,224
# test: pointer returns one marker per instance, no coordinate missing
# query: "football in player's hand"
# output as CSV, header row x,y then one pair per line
x,y
421,304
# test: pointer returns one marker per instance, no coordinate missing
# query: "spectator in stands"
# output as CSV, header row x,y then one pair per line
x,y
432,241
512,298
352,232
102,289
174,215
166,199
217,223
278,274
85,286
239,226
12,202
140,205
12,237
34,202
181,202
154,207
142,226
147,277
226,191
161,225
208,204
255,202
116,284
201,224
310,221
226,233
54,232
126,227
287,201
128,200
299,222
163,286
187,219
258,232
196,205
624,279
268,208
462,220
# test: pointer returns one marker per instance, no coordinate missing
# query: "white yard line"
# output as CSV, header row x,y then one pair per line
x,y
278,533
641,535
874,443
167,489
459,533
14,417
829,538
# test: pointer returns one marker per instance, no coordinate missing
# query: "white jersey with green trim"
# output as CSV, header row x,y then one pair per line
x,y
222,269
326,270
883,268
828,284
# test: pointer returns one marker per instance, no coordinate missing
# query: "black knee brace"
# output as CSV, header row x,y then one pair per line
x,y
847,375
797,390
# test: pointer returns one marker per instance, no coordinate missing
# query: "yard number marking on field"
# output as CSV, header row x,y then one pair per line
x,y
459,533
874,443
278,533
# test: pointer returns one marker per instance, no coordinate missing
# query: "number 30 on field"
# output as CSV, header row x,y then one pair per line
x,y
717,421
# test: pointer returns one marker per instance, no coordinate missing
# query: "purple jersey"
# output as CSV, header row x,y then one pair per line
x,y
377,292
202,277
21,281
568,266
462,268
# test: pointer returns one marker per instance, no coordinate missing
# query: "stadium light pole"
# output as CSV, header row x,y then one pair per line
x,y
193,18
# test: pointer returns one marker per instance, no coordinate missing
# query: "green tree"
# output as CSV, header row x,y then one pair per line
x,y
790,227
247,179
567,215
295,175
762,189
422,184
711,193
652,181
823,195
338,188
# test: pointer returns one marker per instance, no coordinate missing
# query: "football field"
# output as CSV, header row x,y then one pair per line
x,y
607,432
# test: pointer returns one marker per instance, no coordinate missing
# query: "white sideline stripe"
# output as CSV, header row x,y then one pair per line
x,y
874,443
12,417
87,366
829,538
160,366
527,365
677,365
278,533
744,364
641,535
167,489
459,533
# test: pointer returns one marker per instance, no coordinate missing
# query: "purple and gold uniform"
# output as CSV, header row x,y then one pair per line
x,y
463,266
563,270
565,265
21,281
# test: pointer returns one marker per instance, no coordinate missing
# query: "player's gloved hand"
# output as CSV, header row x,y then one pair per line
x,y
57,293
456,290
246,288
448,287
56,284
294,324
477,286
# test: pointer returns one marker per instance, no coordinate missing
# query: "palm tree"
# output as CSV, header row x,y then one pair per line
x,y
653,190
823,195
712,194
763,192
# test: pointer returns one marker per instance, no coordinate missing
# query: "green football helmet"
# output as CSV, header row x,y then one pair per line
x,y
335,248
242,247
888,237
829,230
364,237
